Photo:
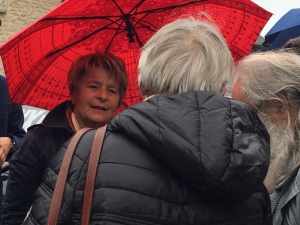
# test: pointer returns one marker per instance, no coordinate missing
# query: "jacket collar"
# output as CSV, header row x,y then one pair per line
x,y
57,117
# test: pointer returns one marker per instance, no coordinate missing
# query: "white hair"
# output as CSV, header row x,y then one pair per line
x,y
185,55
262,76
284,152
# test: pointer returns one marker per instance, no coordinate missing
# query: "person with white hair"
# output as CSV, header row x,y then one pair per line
x,y
270,83
185,155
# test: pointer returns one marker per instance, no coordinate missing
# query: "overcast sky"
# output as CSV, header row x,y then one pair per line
x,y
278,8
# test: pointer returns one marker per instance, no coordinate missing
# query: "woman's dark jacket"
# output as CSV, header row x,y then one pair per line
x,y
27,165
192,158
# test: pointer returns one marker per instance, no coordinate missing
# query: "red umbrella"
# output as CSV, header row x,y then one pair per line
x,y
36,59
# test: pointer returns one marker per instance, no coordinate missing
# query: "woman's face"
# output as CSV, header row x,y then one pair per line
x,y
97,98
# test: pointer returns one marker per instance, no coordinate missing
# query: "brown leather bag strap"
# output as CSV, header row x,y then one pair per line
x,y
62,178
91,174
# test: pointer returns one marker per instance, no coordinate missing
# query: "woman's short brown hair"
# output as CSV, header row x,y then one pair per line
x,y
111,63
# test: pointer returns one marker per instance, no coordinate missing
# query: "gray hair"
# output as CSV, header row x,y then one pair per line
x,y
185,55
263,75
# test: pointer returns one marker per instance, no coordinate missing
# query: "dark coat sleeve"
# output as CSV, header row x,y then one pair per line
x,y
24,177
15,126
4,105
11,117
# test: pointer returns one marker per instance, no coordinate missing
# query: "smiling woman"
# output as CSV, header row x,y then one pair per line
x,y
97,84
96,99
97,87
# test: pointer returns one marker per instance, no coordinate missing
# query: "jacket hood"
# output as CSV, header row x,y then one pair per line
x,y
216,144
56,117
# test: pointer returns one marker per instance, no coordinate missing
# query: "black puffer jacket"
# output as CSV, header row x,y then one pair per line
x,y
193,158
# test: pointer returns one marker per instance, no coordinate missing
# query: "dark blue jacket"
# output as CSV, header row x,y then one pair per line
x,y
11,117
11,122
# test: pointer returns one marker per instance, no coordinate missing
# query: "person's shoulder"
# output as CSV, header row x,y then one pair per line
x,y
298,177
2,78
245,112
3,84
240,106
39,130
34,127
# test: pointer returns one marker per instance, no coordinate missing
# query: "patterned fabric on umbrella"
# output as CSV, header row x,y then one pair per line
x,y
36,59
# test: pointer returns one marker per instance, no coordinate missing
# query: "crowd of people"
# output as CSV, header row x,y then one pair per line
x,y
185,155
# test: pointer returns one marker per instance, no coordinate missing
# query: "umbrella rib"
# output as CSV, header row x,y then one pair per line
x,y
144,23
130,28
136,6
133,19
115,34
118,6
84,38
93,17
77,18
147,12
171,7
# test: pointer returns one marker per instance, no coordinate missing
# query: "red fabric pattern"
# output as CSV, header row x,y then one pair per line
x,y
36,59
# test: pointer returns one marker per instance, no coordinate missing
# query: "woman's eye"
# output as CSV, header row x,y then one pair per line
x,y
113,91
93,86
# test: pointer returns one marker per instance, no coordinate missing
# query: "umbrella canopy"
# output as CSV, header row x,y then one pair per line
x,y
287,27
36,59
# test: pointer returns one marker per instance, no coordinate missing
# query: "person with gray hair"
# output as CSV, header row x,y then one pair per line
x,y
270,83
185,155
185,56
